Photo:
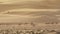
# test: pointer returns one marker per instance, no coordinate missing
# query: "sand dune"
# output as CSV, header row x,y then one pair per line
x,y
29,14
32,4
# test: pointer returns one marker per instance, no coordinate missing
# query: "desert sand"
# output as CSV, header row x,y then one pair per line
x,y
29,16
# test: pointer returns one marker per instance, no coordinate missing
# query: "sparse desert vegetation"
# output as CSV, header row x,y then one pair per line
x,y
23,29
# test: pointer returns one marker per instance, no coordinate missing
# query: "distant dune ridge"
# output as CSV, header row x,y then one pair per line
x,y
34,4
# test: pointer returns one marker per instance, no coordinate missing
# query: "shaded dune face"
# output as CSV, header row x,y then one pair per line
x,y
28,19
